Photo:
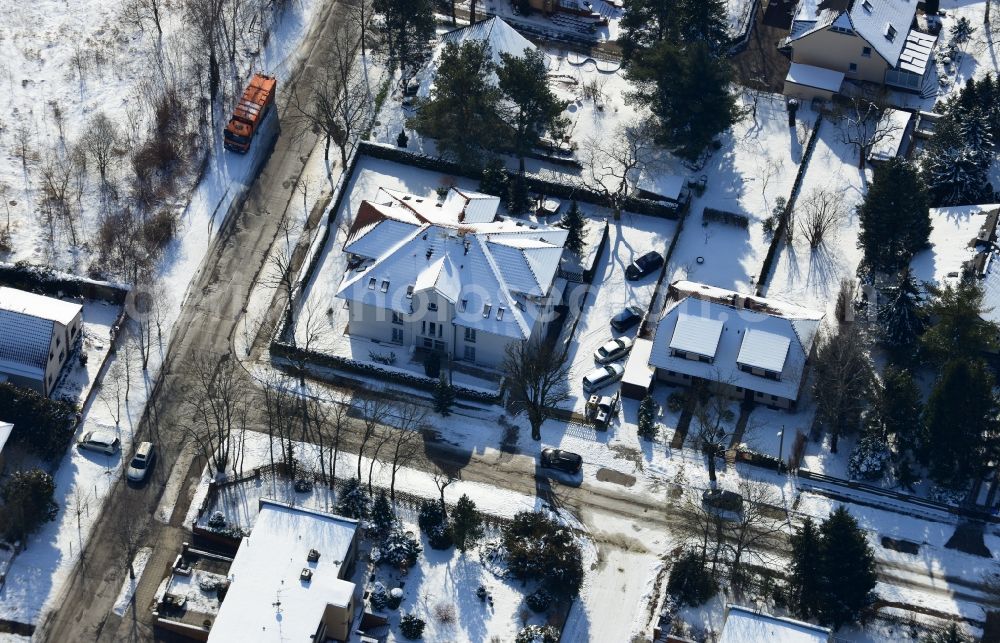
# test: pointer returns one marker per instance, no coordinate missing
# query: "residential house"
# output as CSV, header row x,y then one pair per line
x,y
37,335
450,275
858,40
749,348
288,581
743,624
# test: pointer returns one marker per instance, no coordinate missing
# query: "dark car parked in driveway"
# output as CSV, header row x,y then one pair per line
x,y
562,460
626,319
644,265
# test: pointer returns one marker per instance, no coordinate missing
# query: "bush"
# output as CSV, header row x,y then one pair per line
x,y
352,501
159,229
870,458
689,582
28,502
676,401
411,626
540,548
379,597
432,365
43,426
440,537
399,549
539,600
538,634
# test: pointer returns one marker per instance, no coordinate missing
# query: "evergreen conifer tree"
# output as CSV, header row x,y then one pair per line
x,y
896,410
847,568
806,583
647,419
895,217
901,319
352,501
444,396
959,329
466,524
961,418
953,171
383,517
574,222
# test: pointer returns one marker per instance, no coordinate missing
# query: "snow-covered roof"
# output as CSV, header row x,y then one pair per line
x,y
5,430
488,267
669,186
637,370
500,36
776,343
266,600
39,306
884,24
696,334
743,625
818,77
894,123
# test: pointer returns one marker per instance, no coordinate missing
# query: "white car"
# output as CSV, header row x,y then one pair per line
x,y
141,462
612,350
601,377
103,441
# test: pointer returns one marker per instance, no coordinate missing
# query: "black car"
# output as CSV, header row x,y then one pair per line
x,y
644,265
562,460
626,319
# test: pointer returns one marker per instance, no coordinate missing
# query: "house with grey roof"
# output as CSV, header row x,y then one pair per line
x,y
37,335
450,275
871,41
750,348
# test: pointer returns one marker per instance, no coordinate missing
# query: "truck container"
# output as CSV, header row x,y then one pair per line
x,y
249,113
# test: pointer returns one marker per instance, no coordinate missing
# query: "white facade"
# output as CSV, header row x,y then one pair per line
x,y
449,276
37,335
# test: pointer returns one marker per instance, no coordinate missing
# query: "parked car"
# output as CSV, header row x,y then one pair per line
x,y
612,350
601,377
562,460
141,462
102,441
644,265
626,319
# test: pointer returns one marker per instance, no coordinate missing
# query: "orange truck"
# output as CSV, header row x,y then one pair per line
x,y
249,113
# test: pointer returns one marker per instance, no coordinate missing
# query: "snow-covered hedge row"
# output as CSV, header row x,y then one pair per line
x,y
30,277
282,349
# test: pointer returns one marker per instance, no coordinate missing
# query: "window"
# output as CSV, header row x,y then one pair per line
x,y
58,341
397,318
438,346
470,335
500,313
853,67
61,354
866,52
486,310
843,30
432,306
470,353
397,335
423,328
371,283
774,398
433,327
867,6
409,292
890,32
461,306
385,285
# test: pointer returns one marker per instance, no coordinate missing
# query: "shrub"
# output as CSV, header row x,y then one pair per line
x,y
540,548
539,600
538,634
43,426
430,515
382,516
440,537
399,549
379,597
432,364
411,626
675,401
159,229
690,583
444,613
28,502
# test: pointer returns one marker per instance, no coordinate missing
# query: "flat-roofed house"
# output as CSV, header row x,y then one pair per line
x,y
37,335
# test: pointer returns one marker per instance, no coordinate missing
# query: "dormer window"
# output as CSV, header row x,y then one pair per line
x,y
500,313
867,6
890,32
409,292
462,306
385,285
486,310
371,283
432,306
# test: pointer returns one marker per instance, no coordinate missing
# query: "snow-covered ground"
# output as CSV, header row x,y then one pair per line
x,y
83,480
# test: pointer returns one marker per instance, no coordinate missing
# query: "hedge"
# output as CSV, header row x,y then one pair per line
x,y
728,218
26,276
42,425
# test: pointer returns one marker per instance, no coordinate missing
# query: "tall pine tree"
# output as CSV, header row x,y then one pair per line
x,y
901,319
953,169
895,217
444,396
806,582
847,568
961,419
576,226
958,329
647,418
466,524
527,106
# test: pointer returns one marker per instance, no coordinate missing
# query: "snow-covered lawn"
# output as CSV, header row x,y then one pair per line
x,y
610,293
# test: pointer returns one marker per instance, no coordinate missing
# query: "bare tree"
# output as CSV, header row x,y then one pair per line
x,y
129,534
205,18
111,390
820,213
442,478
278,409
99,140
536,372
374,411
336,99
361,15
713,416
142,12
866,124
219,401
23,139
842,376
339,425
56,171
410,420
613,164
756,531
